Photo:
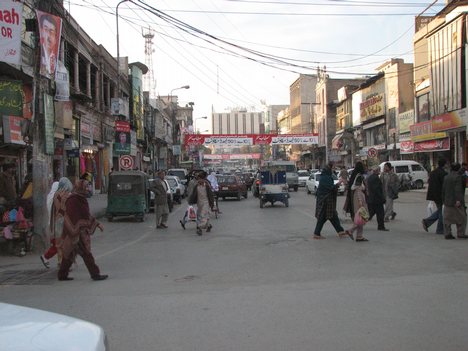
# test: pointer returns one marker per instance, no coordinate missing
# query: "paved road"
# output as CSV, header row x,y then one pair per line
x,y
259,282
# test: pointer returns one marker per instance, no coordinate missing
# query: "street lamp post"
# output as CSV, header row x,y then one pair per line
x,y
182,87
118,45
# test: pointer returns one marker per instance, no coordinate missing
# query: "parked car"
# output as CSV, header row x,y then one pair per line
x,y
25,328
231,186
177,188
313,183
179,172
303,175
170,197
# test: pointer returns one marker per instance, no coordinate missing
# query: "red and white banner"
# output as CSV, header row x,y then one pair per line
x,y
226,140
432,145
11,21
255,156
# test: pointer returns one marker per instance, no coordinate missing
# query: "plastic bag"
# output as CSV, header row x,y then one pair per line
x,y
431,208
192,215
13,213
361,217
20,215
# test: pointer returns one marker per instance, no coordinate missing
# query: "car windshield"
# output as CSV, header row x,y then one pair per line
x,y
303,174
227,180
180,174
172,182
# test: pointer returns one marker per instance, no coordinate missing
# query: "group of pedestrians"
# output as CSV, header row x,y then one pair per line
x,y
374,194
366,196
447,191
70,228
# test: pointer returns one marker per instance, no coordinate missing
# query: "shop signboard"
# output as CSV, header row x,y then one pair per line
x,y
11,98
424,131
49,119
62,83
432,145
11,22
406,147
12,130
373,106
406,120
450,120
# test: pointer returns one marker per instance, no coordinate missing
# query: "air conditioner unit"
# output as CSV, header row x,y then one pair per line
x,y
119,107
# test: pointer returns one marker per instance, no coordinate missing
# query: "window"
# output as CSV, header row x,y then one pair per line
x,y
417,168
422,105
401,169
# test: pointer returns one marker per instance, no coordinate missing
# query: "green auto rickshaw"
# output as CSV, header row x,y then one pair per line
x,y
128,195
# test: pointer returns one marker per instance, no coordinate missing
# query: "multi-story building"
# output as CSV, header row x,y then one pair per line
x,y
327,101
271,116
238,121
440,86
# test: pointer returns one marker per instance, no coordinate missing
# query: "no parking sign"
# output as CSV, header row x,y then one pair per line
x,y
372,152
126,162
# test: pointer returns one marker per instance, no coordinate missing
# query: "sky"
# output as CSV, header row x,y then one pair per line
x,y
245,53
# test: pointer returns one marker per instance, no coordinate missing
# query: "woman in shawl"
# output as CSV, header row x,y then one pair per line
x,y
202,195
325,208
358,170
56,208
78,227
358,195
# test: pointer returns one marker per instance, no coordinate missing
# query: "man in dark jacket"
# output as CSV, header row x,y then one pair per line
x,y
434,193
376,198
453,197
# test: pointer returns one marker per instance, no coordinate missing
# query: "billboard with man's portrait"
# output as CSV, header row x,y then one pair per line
x,y
50,29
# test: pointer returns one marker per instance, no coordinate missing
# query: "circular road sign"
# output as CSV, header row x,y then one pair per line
x,y
126,162
372,152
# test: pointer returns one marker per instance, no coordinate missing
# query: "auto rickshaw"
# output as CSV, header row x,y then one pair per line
x,y
273,187
128,195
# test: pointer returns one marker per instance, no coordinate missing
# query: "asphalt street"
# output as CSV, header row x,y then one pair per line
x,y
259,281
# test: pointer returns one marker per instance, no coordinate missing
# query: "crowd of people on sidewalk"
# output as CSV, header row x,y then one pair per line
x,y
370,193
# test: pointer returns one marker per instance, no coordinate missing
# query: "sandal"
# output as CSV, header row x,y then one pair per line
x,y
318,237
361,239
345,234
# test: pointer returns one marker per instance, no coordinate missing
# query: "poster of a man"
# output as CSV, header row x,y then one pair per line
x,y
50,28
122,143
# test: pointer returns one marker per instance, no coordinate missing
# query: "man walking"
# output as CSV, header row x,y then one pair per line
x,y
434,193
376,198
160,200
391,184
453,195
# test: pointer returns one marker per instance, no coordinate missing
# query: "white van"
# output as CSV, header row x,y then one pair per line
x,y
418,173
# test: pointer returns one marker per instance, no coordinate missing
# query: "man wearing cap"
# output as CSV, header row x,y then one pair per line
x,y
376,198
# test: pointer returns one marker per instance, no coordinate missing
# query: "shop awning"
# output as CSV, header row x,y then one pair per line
x,y
337,142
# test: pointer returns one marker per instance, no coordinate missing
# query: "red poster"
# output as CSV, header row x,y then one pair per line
x,y
122,126
432,145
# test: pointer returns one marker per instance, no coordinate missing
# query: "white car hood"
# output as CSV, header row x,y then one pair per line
x,y
29,329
